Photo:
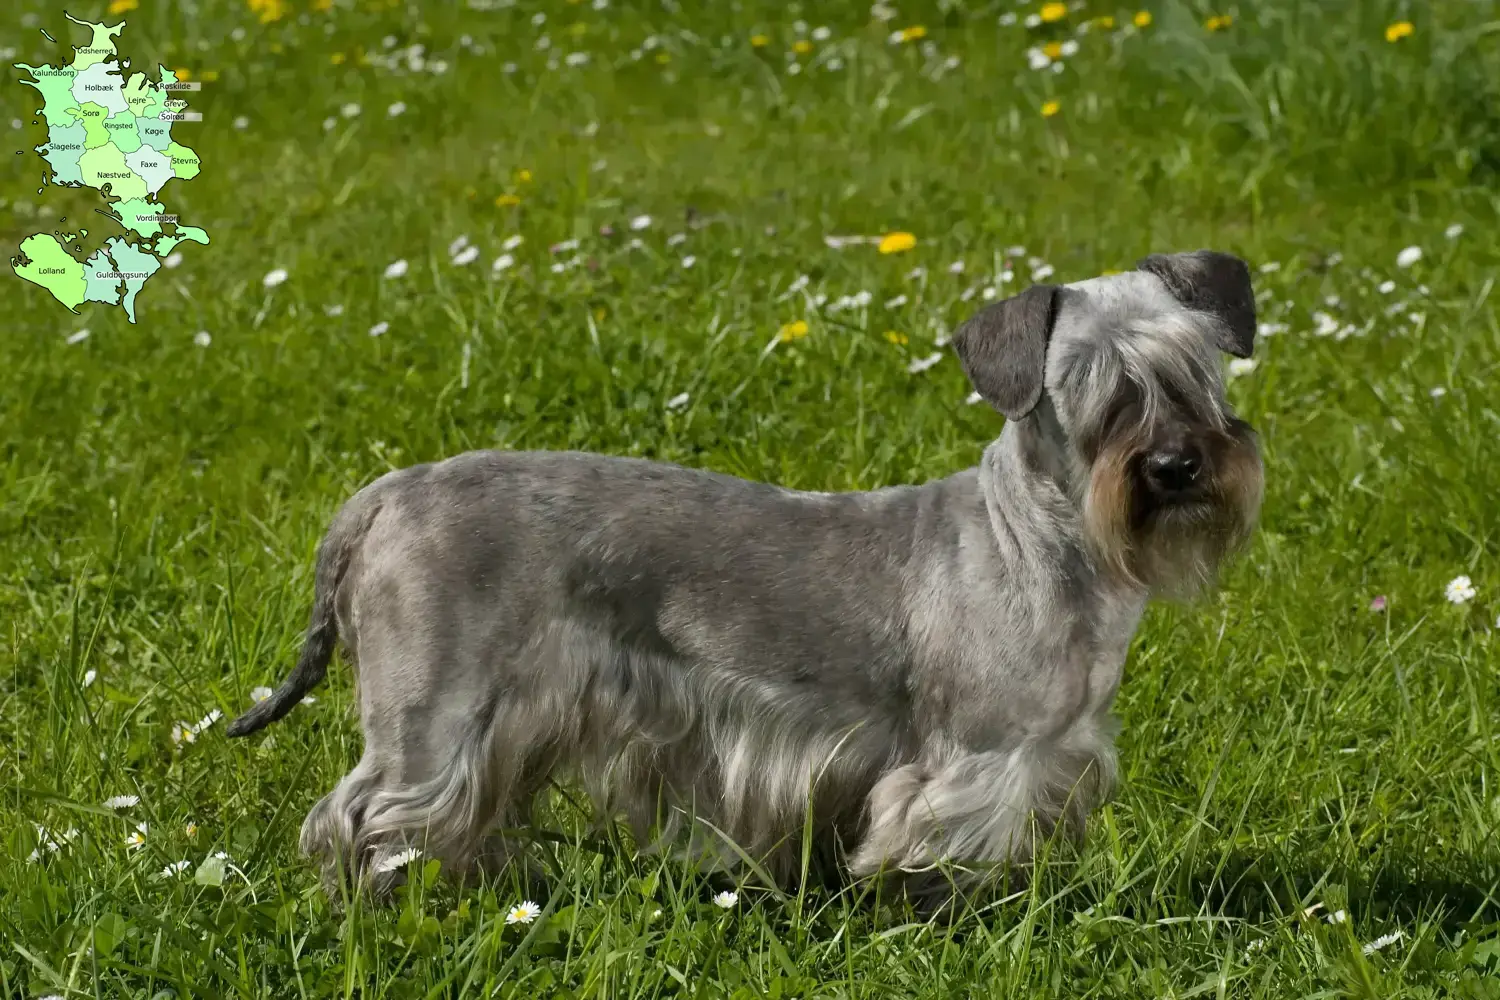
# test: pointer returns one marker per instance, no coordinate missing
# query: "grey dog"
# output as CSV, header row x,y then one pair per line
x,y
919,675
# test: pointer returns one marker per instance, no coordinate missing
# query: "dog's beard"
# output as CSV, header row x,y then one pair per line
x,y
1174,550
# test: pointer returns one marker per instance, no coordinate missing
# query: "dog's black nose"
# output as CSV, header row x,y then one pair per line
x,y
1173,470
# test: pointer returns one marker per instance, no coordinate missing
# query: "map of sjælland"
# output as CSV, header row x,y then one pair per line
x,y
114,135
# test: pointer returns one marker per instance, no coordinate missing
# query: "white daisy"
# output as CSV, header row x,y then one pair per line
x,y
260,693
1454,231
1033,21
350,110
399,860
89,676
203,338
1070,48
922,364
1037,59
1042,272
175,868
137,836
957,267
726,900
1387,287
396,268
118,802
242,122
78,337
523,913
511,242
822,34
895,303
183,733
973,398
1007,19
466,256
208,720
379,328
676,238
329,123
502,263
274,277
1406,258
396,109
1242,366
336,309
689,261
1460,589
678,401
173,259
1270,267
1338,916
1384,941
577,58
640,222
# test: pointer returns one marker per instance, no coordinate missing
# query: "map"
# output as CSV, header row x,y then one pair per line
x,y
115,136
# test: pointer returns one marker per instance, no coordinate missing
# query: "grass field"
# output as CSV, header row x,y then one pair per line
x,y
1311,759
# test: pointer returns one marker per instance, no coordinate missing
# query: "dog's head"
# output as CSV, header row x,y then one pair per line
x,y
1121,375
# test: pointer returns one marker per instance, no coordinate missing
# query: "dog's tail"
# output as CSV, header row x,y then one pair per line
x,y
348,530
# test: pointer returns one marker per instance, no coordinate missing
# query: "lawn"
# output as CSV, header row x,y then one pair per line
x,y
626,227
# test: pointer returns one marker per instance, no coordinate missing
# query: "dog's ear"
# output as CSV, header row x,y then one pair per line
x,y
1003,349
1215,283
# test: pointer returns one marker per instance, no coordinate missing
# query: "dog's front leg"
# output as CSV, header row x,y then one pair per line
x,y
961,820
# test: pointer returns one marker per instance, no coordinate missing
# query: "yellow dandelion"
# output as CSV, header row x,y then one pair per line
x,y
1105,21
795,330
1401,29
322,5
896,242
507,201
1142,19
121,6
268,10
802,46
1051,108
913,33
337,58
1219,22
182,75
523,176
1053,12
759,41
899,339
1053,50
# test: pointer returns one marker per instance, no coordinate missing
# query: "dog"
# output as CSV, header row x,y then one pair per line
x,y
920,676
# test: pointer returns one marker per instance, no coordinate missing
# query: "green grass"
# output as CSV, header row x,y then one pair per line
x,y
1284,746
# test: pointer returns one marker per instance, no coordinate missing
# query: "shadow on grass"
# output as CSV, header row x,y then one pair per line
x,y
1263,888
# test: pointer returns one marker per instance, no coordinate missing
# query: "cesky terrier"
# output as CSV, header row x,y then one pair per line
x,y
919,675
